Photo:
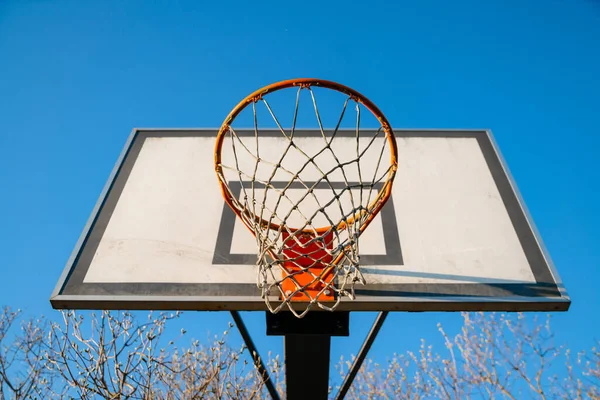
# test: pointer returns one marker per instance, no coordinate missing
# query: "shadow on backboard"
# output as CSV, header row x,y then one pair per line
x,y
465,290
431,275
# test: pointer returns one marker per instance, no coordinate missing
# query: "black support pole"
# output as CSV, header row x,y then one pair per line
x,y
307,343
307,366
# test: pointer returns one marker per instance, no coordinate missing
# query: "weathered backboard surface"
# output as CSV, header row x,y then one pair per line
x,y
454,236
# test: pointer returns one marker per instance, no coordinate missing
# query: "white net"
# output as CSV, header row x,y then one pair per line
x,y
307,198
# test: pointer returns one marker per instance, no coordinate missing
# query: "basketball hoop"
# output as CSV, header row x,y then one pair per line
x,y
307,229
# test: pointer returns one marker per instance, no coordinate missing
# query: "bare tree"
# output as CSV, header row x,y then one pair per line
x,y
214,371
583,375
493,356
114,358
23,372
113,355
119,358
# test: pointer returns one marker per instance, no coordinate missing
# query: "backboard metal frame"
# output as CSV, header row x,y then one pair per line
x,y
546,294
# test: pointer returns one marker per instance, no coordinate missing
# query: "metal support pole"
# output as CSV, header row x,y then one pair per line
x,y
307,343
307,366
361,355
258,362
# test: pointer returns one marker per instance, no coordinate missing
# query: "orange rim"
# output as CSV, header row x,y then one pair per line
x,y
375,205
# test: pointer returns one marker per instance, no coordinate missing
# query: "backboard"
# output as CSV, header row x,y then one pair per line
x,y
455,234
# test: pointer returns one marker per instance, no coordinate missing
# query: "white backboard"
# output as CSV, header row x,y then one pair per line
x,y
455,234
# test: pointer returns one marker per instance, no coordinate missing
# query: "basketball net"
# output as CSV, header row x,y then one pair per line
x,y
303,263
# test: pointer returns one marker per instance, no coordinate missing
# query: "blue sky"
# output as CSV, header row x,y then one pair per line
x,y
77,76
